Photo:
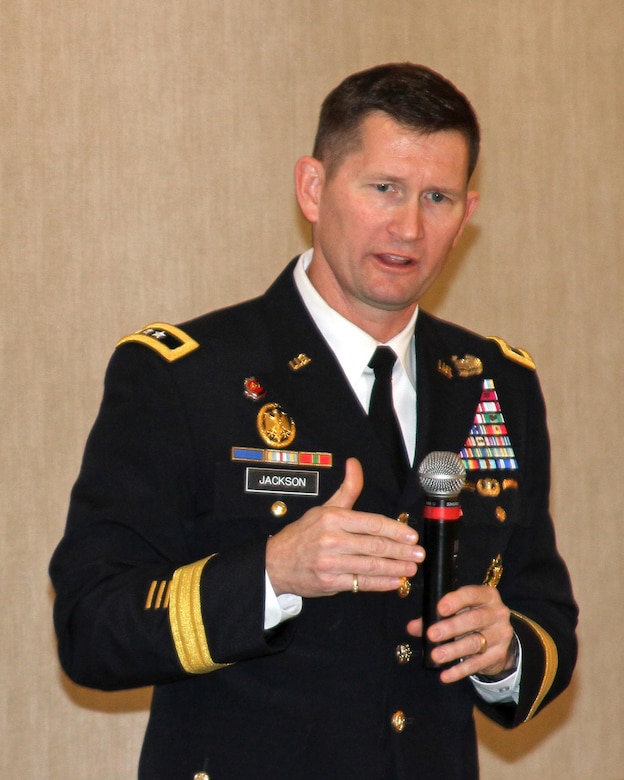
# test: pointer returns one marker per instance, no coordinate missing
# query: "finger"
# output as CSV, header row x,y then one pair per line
x,y
402,564
372,553
373,584
415,627
468,597
481,610
469,654
472,660
351,487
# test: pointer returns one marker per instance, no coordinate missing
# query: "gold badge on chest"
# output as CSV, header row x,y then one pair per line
x,y
468,365
275,426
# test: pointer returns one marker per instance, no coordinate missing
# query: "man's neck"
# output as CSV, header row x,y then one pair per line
x,y
380,323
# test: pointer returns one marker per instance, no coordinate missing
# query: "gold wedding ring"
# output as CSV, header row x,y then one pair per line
x,y
355,588
484,643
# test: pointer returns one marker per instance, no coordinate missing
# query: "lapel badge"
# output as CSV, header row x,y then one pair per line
x,y
494,573
466,366
253,389
299,362
275,426
445,369
488,487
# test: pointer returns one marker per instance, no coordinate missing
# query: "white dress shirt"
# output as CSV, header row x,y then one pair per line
x,y
354,348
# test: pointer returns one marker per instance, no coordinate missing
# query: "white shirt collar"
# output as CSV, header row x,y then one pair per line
x,y
352,346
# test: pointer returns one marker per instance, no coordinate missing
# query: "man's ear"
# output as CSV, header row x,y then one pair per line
x,y
472,201
309,180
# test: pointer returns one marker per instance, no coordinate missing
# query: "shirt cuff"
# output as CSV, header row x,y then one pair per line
x,y
277,609
505,691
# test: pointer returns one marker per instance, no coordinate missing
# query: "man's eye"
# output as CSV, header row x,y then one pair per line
x,y
437,197
383,187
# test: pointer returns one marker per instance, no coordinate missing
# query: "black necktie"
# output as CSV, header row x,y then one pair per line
x,y
381,411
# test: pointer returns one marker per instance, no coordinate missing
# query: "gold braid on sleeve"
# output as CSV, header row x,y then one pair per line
x,y
185,619
551,660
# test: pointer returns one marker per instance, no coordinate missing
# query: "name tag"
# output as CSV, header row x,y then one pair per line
x,y
304,483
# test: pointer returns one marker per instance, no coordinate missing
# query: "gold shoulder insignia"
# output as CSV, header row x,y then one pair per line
x,y
170,342
516,354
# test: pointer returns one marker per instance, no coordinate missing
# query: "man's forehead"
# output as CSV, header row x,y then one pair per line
x,y
379,123
382,138
376,131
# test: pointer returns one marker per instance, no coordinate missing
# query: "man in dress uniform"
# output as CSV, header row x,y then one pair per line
x,y
244,535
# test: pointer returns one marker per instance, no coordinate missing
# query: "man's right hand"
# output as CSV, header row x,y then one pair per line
x,y
319,554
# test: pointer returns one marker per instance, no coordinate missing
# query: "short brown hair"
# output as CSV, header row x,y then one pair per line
x,y
412,95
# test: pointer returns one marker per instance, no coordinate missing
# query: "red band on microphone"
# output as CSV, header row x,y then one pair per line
x,y
442,512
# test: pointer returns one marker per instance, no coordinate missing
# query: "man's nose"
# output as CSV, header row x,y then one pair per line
x,y
407,223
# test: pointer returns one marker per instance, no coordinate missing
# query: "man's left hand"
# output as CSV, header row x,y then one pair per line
x,y
475,631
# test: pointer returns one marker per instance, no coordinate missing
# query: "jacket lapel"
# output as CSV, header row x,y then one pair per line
x,y
316,394
446,400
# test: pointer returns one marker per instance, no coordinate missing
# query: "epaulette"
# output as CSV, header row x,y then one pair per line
x,y
516,354
170,342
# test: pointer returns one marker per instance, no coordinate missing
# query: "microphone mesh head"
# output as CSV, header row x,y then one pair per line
x,y
442,474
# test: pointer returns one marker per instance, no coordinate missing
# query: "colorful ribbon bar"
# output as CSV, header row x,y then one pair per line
x,y
290,457
488,447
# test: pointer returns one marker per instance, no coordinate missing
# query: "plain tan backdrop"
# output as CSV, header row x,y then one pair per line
x,y
147,152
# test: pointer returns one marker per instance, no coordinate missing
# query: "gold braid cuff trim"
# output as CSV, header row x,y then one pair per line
x,y
551,663
185,619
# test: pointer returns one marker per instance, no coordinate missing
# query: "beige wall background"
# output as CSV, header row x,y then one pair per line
x,y
147,151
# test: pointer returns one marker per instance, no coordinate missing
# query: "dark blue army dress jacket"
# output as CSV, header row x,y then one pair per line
x,y
215,435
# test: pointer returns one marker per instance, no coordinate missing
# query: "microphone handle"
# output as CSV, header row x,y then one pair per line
x,y
441,543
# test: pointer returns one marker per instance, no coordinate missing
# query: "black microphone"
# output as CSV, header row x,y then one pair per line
x,y
442,476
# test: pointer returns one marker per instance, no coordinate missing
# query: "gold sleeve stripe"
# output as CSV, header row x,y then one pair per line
x,y
159,595
150,595
551,661
517,354
185,619
165,603
187,344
